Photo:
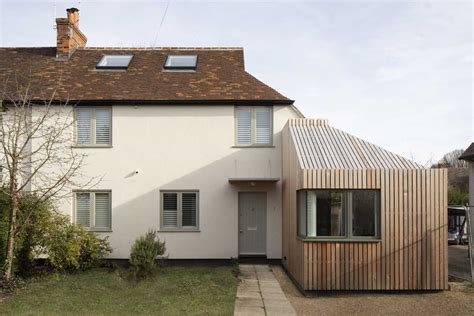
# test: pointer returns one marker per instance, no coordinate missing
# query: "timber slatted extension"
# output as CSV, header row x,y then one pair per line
x,y
409,248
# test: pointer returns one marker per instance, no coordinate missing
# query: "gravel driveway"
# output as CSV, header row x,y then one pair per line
x,y
458,301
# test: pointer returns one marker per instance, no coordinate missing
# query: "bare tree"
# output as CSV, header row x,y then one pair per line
x,y
451,159
36,153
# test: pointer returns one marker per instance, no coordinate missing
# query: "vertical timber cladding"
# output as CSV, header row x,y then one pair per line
x,y
412,252
292,247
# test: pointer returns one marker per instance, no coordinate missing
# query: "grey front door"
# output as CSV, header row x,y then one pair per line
x,y
252,223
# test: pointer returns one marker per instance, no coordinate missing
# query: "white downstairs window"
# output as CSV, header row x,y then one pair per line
x,y
93,127
179,210
253,126
92,209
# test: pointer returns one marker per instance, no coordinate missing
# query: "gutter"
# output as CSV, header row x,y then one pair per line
x,y
166,102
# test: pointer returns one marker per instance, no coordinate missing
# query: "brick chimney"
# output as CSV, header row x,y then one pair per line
x,y
69,36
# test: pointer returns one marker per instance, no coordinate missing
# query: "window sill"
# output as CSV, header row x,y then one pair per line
x,y
179,231
253,146
313,239
101,230
91,146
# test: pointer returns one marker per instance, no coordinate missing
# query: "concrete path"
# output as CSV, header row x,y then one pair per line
x,y
259,293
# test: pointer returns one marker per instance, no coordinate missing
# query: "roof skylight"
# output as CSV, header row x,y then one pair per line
x,y
114,62
188,62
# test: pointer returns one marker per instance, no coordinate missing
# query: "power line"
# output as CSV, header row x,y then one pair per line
x,y
161,23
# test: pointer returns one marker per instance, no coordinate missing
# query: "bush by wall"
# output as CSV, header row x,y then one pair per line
x,y
71,247
43,231
144,254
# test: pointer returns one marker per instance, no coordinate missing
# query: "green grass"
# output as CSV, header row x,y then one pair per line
x,y
172,291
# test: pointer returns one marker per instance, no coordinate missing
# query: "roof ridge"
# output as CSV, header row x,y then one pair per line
x,y
129,48
162,48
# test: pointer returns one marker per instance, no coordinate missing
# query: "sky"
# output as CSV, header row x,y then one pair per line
x,y
396,73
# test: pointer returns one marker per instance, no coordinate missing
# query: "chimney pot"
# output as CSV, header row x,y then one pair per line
x,y
73,16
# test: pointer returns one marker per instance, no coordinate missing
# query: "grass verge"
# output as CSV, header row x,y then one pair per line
x,y
171,291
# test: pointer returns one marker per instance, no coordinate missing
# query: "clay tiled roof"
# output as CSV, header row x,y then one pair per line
x,y
220,76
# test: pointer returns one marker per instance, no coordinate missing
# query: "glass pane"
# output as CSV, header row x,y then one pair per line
x,y
83,209
364,207
263,126
329,213
170,209
102,210
244,126
83,126
181,61
189,209
102,126
115,61
311,212
302,213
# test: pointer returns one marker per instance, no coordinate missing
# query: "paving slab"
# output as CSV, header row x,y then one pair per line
x,y
249,311
249,302
273,296
280,311
243,292
259,293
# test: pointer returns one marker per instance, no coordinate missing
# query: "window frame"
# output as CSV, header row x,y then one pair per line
x,y
98,67
174,68
179,216
347,217
93,128
253,127
92,219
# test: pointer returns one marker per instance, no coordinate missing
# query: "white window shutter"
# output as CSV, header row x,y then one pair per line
x,y
170,210
102,210
189,209
244,126
103,126
83,209
83,126
263,126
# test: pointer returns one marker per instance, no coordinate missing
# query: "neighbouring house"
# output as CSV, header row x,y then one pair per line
x,y
224,166
468,155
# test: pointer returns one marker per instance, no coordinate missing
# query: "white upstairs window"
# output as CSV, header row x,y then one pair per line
x,y
92,209
253,126
93,127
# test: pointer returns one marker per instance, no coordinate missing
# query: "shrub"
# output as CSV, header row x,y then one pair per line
x,y
11,285
4,215
144,253
92,250
457,197
71,247
43,231
33,216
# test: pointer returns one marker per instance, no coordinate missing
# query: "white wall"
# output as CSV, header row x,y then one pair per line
x,y
184,147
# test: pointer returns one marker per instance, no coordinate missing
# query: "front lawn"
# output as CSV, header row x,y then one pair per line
x,y
172,291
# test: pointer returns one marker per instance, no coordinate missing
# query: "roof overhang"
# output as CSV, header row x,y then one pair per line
x,y
456,210
164,102
468,154
253,180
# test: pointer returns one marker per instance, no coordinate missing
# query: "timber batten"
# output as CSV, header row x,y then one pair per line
x,y
412,251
